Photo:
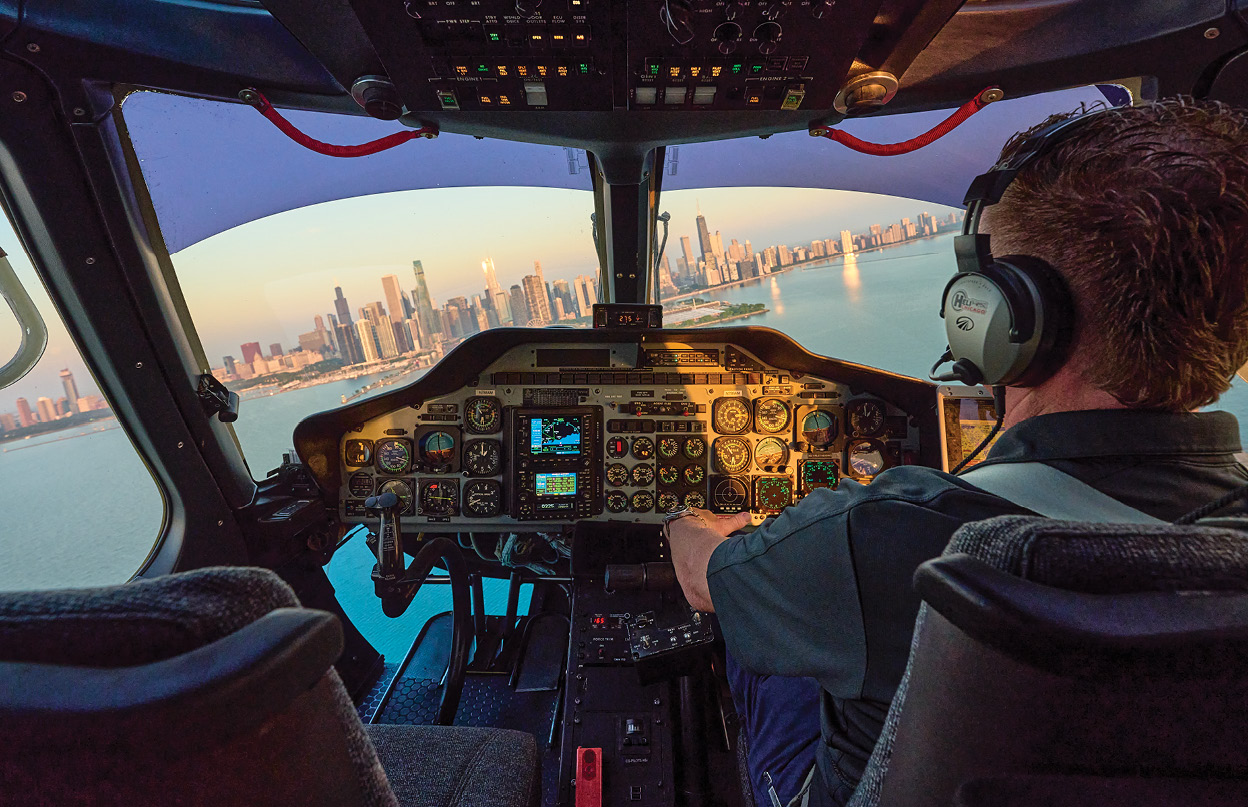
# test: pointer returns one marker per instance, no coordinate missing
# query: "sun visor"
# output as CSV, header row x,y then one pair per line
x,y
211,166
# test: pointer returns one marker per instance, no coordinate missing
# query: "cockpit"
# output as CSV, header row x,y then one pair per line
x,y
497,289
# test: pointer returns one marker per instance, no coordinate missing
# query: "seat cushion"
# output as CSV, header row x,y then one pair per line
x,y
136,623
441,766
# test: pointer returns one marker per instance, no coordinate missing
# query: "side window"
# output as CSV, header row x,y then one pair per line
x,y
79,506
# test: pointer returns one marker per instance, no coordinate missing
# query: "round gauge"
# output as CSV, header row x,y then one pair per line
x,y
730,416
358,453
642,501
694,474
669,474
439,497
483,457
771,452
437,448
360,485
401,489
866,418
865,458
771,416
695,500
730,496
818,474
394,456
772,493
819,428
616,447
643,448
482,498
668,447
695,447
669,502
642,475
483,415
732,455
617,502
617,474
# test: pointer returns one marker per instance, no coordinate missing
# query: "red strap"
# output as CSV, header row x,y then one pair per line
x,y
915,143
257,99
589,777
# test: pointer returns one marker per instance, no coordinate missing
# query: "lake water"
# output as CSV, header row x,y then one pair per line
x,y
79,507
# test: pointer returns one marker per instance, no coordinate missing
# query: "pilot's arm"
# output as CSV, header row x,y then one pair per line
x,y
692,540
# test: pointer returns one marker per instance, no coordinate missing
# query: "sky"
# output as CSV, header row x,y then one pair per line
x,y
265,280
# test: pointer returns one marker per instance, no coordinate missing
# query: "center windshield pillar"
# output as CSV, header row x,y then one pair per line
x,y
625,221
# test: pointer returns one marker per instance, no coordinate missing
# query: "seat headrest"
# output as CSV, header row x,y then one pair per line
x,y
136,623
1109,558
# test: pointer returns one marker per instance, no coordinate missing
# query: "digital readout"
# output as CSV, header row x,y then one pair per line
x,y
555,435
562,484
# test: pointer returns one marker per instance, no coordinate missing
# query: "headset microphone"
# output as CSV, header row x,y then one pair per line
x,y
1008,319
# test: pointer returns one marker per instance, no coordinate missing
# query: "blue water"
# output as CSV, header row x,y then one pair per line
x,y
80,508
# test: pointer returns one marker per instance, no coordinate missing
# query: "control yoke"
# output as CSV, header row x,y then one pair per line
x,y
390,565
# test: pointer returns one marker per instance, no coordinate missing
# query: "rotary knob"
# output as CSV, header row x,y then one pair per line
x,y
677,17
527,8
726,36
820,8
768,37
772,11
734,10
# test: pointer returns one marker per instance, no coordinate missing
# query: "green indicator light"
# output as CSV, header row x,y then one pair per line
x,y
583,68
495,38
756,68
736,68
481,68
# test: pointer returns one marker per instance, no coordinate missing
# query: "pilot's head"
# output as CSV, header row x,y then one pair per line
x,y
1144,212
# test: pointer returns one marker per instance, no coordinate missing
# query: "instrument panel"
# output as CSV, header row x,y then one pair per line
x,y
548,434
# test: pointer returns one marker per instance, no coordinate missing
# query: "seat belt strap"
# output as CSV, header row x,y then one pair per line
x,y
1052,493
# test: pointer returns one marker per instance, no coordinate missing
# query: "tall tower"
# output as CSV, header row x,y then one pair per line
x,y
47,410
519,307
394,298
24,415
424,303
536,298
383,328
71,389
847,242
704,236
491,279
367,334
340,304
251,351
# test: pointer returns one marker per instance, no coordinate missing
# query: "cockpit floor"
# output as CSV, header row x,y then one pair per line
x,y
488,699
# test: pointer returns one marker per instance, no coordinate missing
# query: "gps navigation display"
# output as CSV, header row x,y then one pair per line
x,y
557,435
561,484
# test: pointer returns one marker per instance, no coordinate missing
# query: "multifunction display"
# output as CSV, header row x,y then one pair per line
x,y
558,436
560,484
557,465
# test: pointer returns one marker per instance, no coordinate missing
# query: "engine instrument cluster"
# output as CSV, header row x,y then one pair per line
x,y
548,434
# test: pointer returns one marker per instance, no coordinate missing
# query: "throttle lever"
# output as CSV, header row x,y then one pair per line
x,y
390,564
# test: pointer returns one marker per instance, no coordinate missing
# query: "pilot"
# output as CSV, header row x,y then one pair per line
x,y
1143,213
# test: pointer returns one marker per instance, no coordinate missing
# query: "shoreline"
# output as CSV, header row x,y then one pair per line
x,y
811,263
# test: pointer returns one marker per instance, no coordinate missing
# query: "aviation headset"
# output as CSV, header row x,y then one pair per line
x,y
1009,319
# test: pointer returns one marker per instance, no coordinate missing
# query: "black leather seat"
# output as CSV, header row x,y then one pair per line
x,y
214,688
1059,663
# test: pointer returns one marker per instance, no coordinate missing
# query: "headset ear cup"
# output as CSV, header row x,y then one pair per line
x,y
1054,314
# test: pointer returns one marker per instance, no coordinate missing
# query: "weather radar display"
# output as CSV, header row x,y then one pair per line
x,y
555,435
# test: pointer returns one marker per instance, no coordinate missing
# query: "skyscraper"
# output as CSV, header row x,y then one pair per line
x,y
394,297
847,242
7,423
519,307
340,305
704,236
491,279
71,389
536,298
586,294
687,250
368,340
667,286
229,365
275,349
47,411
251,351
24,414
383,329
424,303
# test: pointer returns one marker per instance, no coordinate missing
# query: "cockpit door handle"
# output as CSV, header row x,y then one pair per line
x,y
34,331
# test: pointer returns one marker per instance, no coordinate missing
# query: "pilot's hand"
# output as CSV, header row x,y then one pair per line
x,y
692,540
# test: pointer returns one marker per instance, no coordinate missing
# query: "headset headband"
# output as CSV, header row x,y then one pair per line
x,y
972,248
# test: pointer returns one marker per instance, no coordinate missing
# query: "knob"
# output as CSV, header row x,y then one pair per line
x,y
821,7
527,8
768,37
677,17
772,11
382,103
734,10
727,35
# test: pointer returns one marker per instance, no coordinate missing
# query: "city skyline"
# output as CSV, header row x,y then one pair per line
x,y
265,280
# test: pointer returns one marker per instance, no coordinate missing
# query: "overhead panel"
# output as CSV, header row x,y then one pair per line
x,y
599,55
